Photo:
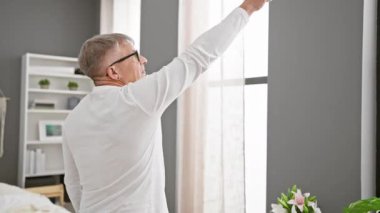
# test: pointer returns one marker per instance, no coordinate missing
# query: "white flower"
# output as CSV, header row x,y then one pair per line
x,y
294,209
277,208
299,200
314,206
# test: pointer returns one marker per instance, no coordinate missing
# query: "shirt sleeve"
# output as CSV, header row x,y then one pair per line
x,y
71,179
157,91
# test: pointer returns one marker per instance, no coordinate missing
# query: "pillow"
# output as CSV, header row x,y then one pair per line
x,y
16,200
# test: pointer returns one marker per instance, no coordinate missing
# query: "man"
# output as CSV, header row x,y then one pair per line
x,y
112,140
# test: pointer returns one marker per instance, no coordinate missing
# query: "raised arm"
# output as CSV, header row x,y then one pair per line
x,y
156,91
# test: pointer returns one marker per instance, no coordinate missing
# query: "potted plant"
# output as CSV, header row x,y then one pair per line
x,y
72,85
295,202
44,83
364,206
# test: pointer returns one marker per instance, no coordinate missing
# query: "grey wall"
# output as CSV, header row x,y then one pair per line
x,y
159,30
315,52
56,27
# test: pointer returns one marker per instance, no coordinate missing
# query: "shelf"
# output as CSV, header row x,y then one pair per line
x,y
52,111
58,75
43,142
51,57
52,104
64,92
46,173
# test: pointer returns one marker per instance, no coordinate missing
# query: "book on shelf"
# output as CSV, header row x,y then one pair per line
x,y
36,161
42,104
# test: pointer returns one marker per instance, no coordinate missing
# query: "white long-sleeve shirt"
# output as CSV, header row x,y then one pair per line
x,y
112,145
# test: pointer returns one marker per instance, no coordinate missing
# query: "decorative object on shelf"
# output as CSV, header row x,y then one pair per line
x,y
78,71
50,130
364,206
44,83
72,102
295,202
42,104
3,110
31,156
72,85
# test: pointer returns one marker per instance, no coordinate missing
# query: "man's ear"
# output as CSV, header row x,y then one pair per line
x,y
112,73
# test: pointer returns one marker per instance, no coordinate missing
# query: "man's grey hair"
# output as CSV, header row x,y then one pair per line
x,y
93,50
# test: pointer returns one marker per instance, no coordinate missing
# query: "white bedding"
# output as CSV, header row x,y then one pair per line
x,y
16,200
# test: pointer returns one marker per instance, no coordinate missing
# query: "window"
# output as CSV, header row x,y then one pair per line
x,y
246,58
255,110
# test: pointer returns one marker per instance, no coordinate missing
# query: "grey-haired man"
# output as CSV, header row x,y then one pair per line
x,y
112,140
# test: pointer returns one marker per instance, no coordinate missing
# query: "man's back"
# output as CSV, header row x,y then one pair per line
x,y
118,150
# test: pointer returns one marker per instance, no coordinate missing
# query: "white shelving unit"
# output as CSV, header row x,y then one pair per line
x,y
59,71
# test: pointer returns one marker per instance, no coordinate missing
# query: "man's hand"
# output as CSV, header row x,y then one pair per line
x,y
252,5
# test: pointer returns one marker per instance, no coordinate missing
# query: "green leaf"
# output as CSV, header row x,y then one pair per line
x,y
283,203
284,197
363,206
305,209
312,198
294,188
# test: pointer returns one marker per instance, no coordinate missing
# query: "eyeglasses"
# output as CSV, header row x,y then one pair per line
x,y
135,53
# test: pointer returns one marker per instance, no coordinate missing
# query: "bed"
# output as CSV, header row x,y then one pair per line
x,y
16,200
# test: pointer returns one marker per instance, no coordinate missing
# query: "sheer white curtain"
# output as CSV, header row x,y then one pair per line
x,y
121,16
210,155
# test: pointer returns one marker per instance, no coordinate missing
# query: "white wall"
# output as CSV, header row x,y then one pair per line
x,y
368,148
